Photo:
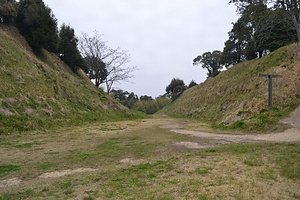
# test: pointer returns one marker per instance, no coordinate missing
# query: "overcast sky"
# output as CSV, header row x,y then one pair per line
x,y
162,36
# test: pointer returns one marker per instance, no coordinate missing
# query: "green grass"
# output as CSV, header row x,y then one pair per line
x,y
154,169
44,166
202,171
264,121
237,98
202,197
6,169
139,177
285,156
26,145
20,195
252,162
39,93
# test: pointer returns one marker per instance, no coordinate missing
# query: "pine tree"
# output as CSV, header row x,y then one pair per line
x,y
67,47
37,24
7,11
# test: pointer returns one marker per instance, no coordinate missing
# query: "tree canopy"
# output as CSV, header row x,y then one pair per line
x,y
292,7
144,104
274,31
210,61
67,47
192,84
175,88
37,24
8,11
259,30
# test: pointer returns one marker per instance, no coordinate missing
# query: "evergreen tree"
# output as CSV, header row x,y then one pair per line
x,y
175,88
7,11
234,50
37,24
192,84
67,47
146,98
210,61
257,32
95,69
274,31
291,7
241,43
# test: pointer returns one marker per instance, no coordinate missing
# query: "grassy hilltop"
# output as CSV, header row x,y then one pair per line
x,y
237,97
42,92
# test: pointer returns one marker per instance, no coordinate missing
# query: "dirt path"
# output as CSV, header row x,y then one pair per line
x,y
291,135
294,119
204,140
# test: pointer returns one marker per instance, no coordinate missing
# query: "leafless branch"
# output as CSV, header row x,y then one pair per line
x,y
115,61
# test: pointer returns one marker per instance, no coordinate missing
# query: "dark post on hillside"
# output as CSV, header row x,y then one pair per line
x,y
270,77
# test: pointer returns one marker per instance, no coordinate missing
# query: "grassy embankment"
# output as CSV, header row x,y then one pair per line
x,y
138,160
238,99
129,159
41,92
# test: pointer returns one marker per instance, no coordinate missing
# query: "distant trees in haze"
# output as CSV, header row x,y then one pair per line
x,y
150,105
144,104
146,98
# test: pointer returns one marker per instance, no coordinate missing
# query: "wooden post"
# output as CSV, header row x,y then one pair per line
x,y
270,89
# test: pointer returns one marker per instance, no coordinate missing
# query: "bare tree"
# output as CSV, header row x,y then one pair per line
x,y
104,64
116,68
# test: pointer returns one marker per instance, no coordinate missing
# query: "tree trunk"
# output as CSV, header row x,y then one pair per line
x,y
298,31
260,54
107,87
296,20
97,83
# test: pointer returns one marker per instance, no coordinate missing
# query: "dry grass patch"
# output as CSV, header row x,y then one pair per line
x,y
137,160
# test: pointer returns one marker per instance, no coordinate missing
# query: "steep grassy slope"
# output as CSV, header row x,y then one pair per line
x,y
237,98
41,92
